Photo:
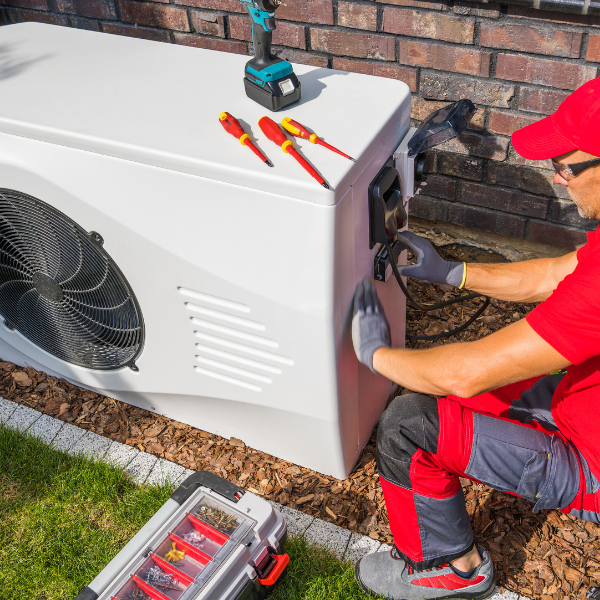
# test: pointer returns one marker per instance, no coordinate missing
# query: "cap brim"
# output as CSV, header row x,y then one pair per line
x,y
541,140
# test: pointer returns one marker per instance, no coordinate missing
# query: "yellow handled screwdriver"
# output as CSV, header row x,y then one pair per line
x,y
299,130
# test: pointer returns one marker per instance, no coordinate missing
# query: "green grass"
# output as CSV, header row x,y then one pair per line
x,y
63,518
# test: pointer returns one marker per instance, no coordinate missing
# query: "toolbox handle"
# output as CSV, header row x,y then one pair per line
x,y
281,562
210,480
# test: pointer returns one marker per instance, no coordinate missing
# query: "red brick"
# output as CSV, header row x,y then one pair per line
x,y
455,87
517,159
298,56
409,76
285,34
555,235
445,58
93,9
16,15
464,167
553,73
552,16
154,15
441,187
506,123
475,144
565,212
490,11
504,200
534,39
481,218
197,41
536,181
433,5
593,51
358,45
358,16
307,11
156,35
428,25
3,19
540,101
82,23
421,109
208,23
224,5
33,4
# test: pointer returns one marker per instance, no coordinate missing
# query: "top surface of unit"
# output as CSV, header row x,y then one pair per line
x,y
158,104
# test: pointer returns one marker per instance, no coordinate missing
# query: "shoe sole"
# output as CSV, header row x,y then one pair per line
x,y
468,596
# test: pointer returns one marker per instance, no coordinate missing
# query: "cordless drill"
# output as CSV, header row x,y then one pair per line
x,y
268,80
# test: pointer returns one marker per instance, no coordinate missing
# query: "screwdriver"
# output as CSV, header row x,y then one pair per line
x,y
300,131
232,126
272,131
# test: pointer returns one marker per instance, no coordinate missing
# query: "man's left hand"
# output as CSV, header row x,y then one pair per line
x,y
370,328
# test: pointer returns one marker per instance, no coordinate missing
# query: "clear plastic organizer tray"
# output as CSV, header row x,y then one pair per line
x,y
197,542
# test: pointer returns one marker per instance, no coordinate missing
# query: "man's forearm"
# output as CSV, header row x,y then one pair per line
x,y
526,281
466,369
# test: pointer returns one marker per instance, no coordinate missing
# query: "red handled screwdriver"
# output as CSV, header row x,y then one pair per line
x,y
300,131
232,126
272,131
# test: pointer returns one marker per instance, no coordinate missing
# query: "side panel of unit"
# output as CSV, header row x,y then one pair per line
x,y
235,287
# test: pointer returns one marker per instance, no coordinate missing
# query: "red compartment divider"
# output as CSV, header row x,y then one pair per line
x,y
193,552
172,570
154,594
208,531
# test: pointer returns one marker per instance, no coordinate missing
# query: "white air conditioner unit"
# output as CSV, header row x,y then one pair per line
x,y
147,255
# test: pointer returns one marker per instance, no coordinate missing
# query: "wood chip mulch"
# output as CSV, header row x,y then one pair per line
x,y
547,555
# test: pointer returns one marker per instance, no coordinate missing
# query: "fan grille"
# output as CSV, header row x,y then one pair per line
x,y
61,290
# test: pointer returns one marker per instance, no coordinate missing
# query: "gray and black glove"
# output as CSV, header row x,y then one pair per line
x,y
430,266
370,328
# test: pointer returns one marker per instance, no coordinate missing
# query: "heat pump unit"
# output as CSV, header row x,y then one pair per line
x,y
147,255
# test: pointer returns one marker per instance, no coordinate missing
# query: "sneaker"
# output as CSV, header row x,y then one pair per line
x,y
386,574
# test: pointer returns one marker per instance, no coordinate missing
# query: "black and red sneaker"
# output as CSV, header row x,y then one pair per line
x,y
386,574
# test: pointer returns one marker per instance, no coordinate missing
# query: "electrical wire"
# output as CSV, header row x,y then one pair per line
x,y
430,307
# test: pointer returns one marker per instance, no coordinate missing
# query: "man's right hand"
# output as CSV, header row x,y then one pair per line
x,y
430,266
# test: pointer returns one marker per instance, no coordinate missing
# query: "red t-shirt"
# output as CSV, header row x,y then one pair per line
x,y
569,320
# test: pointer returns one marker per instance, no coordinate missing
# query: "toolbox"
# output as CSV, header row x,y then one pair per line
x,y
210,540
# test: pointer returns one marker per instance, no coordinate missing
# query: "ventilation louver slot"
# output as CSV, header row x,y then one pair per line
x,y
61,290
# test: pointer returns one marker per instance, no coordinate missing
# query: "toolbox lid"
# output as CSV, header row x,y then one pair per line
x,y
159,104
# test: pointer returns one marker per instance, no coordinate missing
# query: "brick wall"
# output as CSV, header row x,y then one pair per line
x,y
515,62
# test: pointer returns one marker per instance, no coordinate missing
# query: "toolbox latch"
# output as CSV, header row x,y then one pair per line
x,y
271,567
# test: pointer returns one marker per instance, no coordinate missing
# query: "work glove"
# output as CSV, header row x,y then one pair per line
x,y
430,266
370,328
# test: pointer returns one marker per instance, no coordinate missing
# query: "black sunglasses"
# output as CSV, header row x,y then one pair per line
x,y
568,172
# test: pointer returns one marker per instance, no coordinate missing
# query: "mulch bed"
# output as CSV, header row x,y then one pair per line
x,y
546,555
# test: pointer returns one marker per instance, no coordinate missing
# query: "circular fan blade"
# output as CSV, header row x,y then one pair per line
x,y
61,290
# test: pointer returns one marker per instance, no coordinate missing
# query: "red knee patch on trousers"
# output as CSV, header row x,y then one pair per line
x,y
404,522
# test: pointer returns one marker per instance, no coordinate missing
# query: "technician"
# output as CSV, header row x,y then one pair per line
x,y
488,410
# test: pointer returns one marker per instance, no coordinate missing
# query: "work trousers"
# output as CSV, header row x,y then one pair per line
x,y
506,439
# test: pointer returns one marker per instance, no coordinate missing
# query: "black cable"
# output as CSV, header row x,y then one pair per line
x,y
436,306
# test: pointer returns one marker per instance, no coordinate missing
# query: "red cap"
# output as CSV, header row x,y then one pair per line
x,y
574,126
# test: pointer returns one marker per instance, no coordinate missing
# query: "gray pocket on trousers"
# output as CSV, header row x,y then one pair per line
x,y
532,464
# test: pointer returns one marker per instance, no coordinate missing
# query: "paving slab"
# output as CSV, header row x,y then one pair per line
x,y
326,534
7,408
92,445
140,467
164,472
67,437
120,455
186,473
46,428
23,418
297,522
359,546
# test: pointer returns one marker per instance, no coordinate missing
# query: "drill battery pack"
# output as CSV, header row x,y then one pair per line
x,y
273,95
211,540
